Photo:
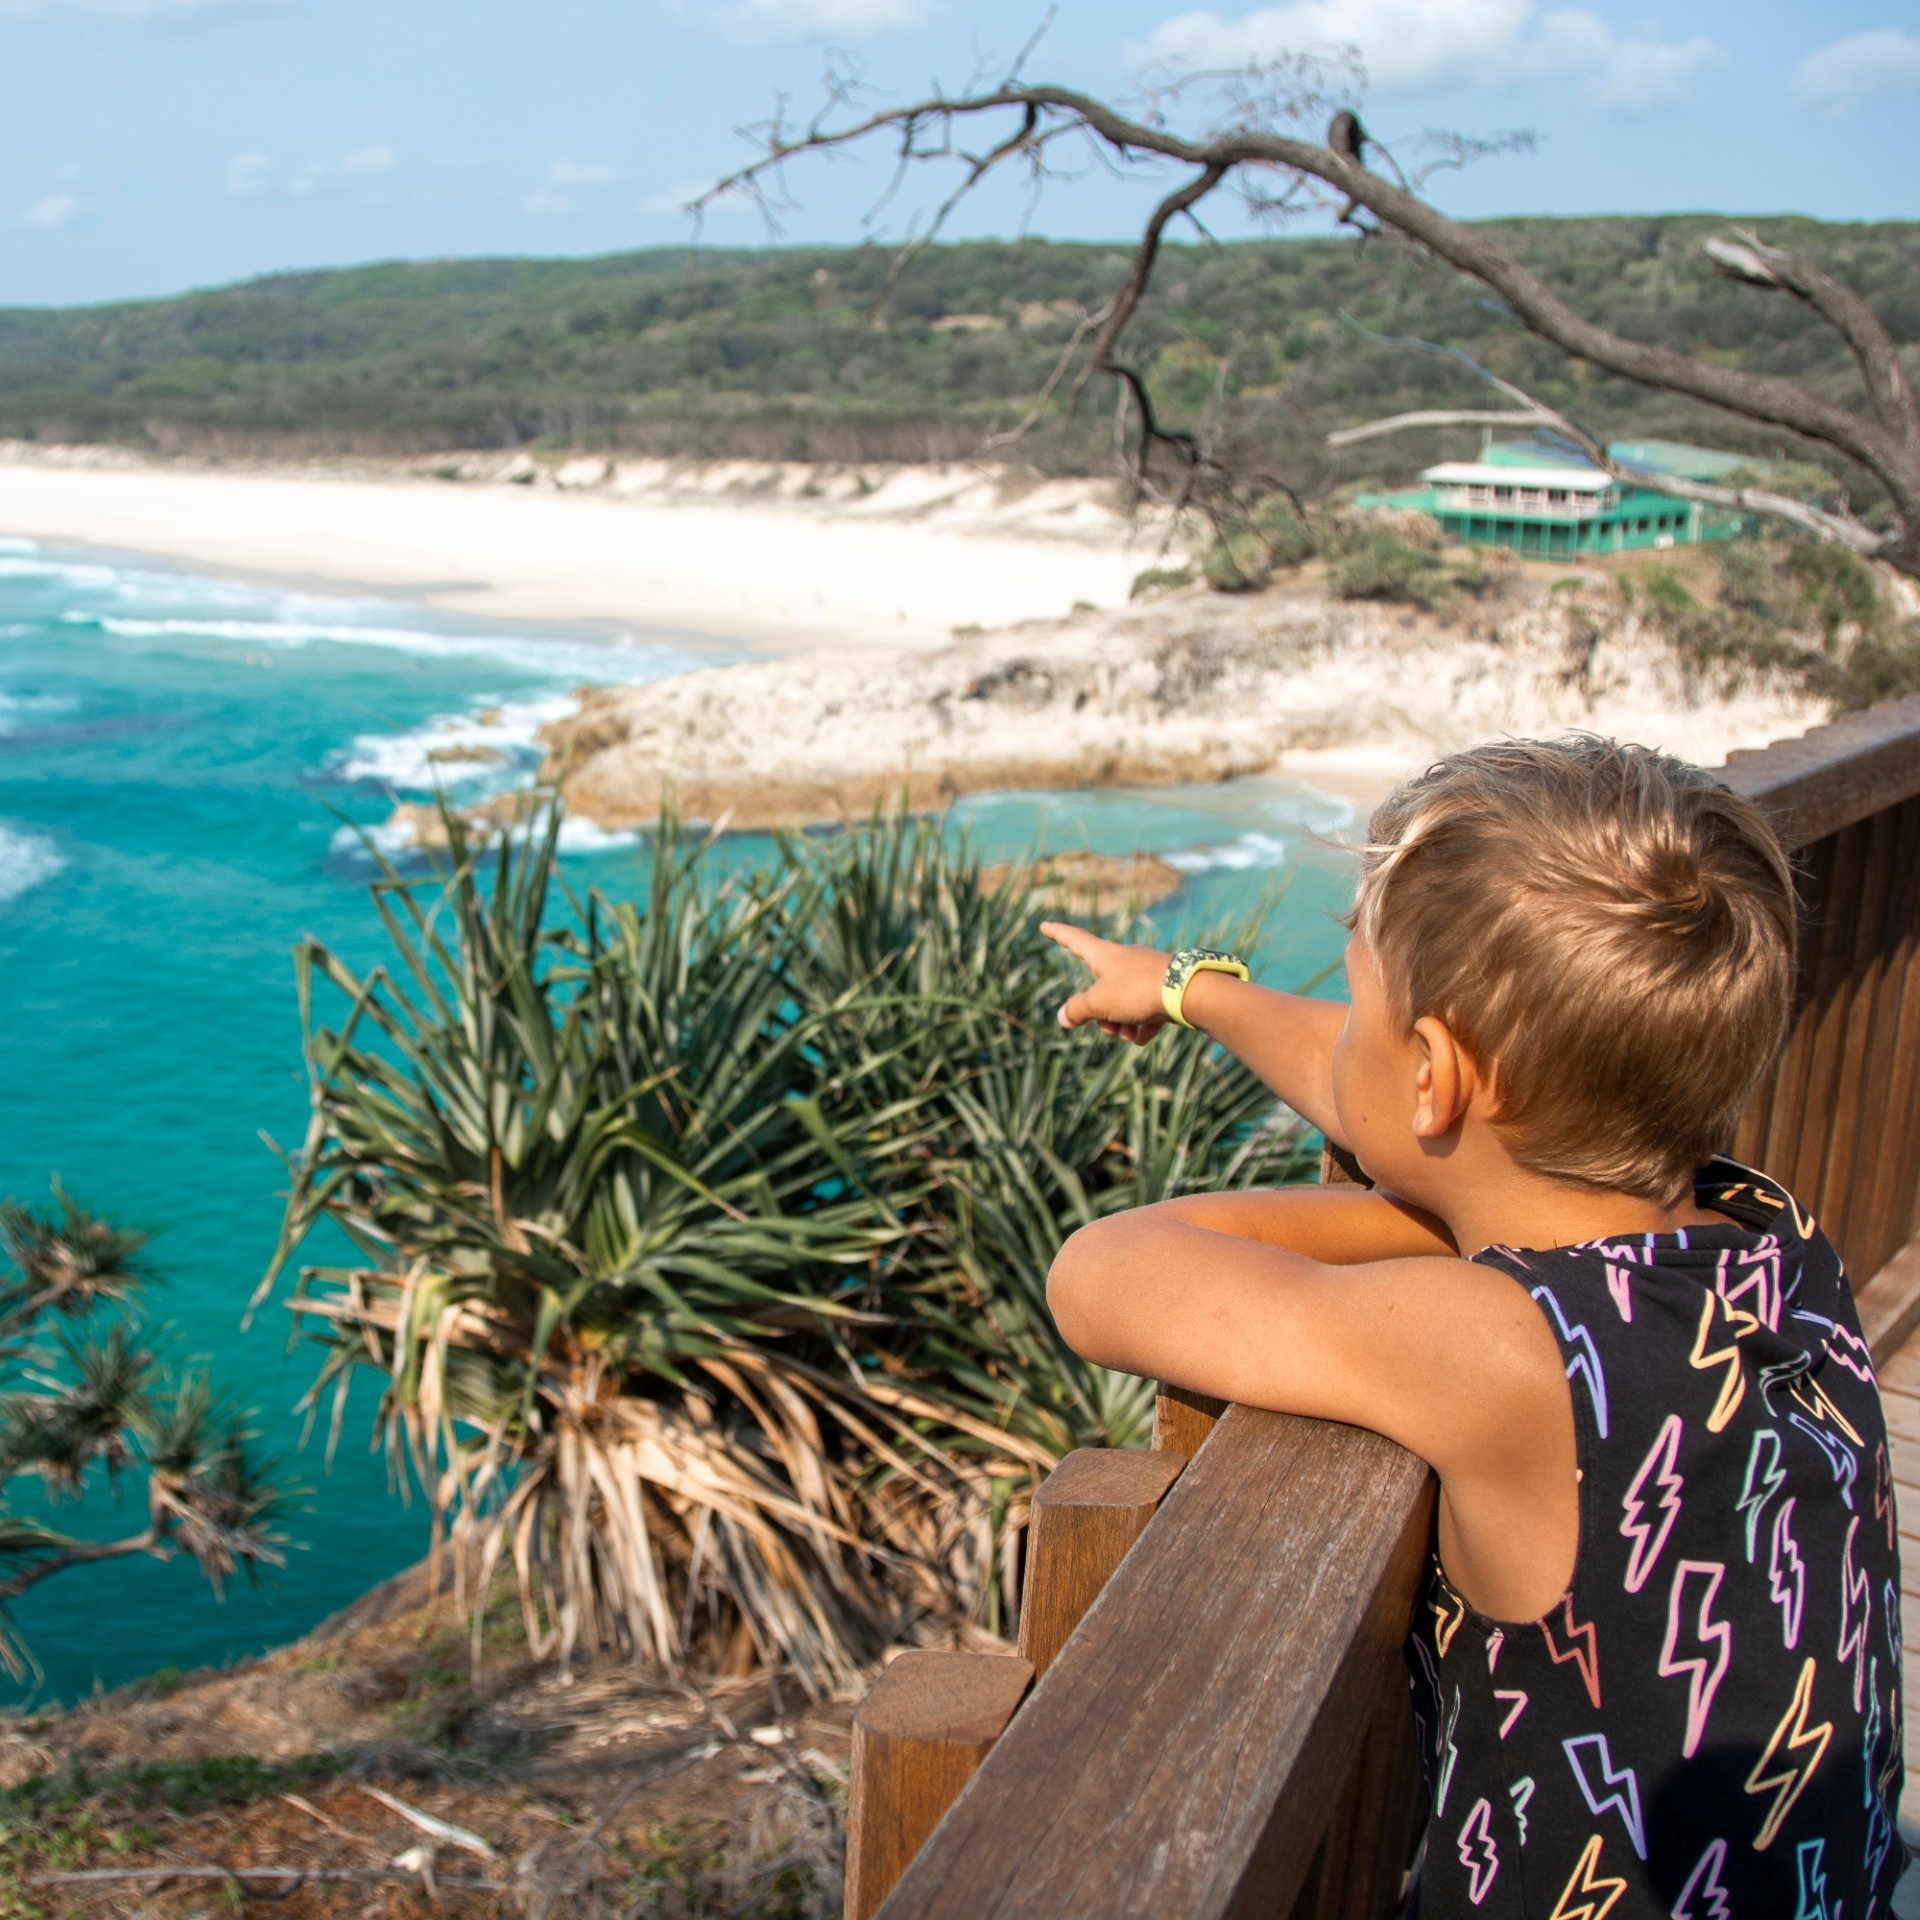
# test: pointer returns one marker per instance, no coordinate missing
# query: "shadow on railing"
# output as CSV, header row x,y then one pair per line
x,y
1220,1725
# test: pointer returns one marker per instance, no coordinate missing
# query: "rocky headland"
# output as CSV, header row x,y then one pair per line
x,y
1195,687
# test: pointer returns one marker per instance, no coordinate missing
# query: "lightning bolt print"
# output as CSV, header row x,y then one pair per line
x,y
1705,1669
1879,1827
1755,1296
1449,1759
1733,1384
1791,1738
1514,1712
1595,1896
1477,1852
1883,1507
1840,1457
1582,1648
1856,1613
1787,1577
1585,1363
1624,1799
1814,1397
1620,1285
1446,1623
1765,1478
1647,1538
1812,1904
1520,1793
1703,1885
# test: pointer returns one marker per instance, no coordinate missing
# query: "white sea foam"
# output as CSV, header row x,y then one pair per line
x,y
26,859
1236,856
21,710
621,661
453,749
397,838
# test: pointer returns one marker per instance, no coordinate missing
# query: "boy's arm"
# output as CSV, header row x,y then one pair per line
x,y
1339,1226
1285,1039
1449,1358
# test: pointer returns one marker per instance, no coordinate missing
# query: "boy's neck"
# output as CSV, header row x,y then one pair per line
x,y
1515,1208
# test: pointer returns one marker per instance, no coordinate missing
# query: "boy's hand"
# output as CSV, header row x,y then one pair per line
x,y
1124,999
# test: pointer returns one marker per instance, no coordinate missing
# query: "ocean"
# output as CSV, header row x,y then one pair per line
x,y
183,765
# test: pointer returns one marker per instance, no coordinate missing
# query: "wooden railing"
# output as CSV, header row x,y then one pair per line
x,y
1208,1712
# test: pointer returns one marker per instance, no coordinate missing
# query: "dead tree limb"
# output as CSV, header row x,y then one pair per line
x,y
1884,439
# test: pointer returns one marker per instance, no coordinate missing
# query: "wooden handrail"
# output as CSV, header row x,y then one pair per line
x,y
1836,775
1185,1751
1225,1732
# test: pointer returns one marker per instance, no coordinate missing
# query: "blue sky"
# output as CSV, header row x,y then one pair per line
x,y
153,145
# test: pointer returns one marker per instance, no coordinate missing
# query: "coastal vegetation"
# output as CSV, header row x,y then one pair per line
x,y
87,1394
702,1237
792,354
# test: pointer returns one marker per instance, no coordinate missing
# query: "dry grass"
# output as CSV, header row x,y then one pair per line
x,y
597,1792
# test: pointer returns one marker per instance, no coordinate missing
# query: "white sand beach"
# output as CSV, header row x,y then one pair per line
x,y
770,556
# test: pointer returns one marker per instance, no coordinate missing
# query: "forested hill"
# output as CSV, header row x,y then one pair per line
x,y
781,354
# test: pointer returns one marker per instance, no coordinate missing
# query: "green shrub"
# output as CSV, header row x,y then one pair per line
x,y
1151,582
1388,566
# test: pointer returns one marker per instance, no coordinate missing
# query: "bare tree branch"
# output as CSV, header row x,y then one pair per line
x,y
1441,417
1885,442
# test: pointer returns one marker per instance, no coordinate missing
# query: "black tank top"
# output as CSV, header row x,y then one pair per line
x,y
1707,1725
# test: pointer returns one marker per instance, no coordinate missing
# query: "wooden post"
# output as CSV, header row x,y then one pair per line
x,y
1183,1419
918,1738
1088,1511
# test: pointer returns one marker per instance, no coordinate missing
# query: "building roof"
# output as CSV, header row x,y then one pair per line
x,y
1672,458
1490,473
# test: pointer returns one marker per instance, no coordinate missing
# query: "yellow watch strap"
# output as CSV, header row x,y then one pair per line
x,y
1173,992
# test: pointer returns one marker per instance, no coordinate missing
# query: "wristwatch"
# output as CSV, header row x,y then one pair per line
x,y
1181,969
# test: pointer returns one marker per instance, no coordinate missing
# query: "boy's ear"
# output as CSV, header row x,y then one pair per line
x,y
1446,1079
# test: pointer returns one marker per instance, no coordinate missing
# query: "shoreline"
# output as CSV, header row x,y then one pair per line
x,y
732,557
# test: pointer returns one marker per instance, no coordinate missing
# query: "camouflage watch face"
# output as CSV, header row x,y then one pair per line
x,y
1180,968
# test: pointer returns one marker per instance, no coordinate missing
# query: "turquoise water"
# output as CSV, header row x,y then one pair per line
x,y
176,754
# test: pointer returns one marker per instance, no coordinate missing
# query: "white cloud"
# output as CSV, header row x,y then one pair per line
x,y
1420,46
1858,67
769,22
134,13
249,173
54,210
544,200
578,173
255,173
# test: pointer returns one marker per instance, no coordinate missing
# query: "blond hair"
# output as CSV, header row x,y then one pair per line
x,y
1608,931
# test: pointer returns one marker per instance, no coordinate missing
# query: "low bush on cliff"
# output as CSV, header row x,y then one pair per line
x,y
702,1238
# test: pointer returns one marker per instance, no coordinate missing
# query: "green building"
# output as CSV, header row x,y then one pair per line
x,y
1537,498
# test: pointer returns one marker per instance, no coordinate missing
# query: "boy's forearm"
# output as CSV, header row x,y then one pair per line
x,y
1340,1226
1284,1038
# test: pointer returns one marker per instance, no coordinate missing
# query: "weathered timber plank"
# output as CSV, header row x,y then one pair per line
x,y
1834,775
1832,935
918,1738
1844,1160
1086,1514
1886,1172
1182,1420
1185,1752
1890,1311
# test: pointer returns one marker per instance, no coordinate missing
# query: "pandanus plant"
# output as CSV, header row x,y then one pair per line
x,y
86,1392
701,1236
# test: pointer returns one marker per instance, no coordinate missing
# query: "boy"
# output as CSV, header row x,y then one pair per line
x,y
1656,1662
